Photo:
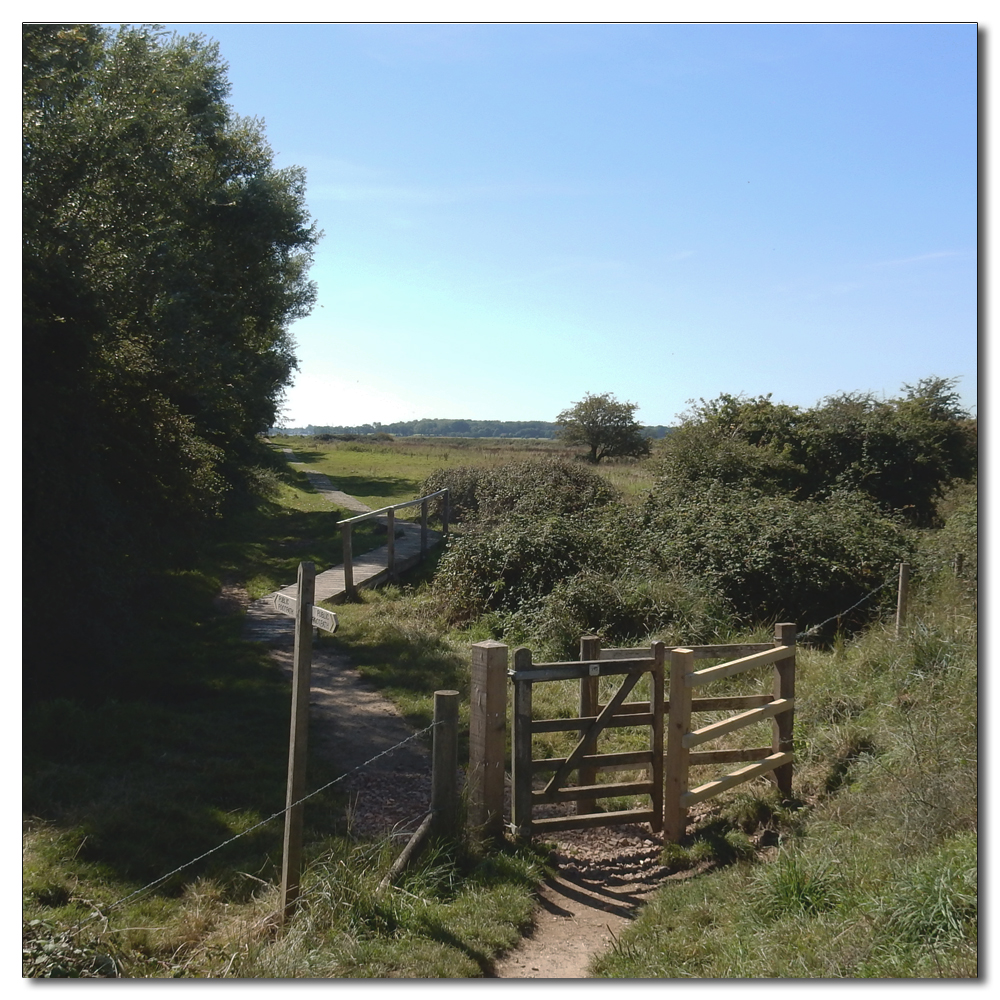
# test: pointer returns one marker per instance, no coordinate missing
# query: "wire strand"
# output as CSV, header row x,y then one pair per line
x,y
816,628
257,826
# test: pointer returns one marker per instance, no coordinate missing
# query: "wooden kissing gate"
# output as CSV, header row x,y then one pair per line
x,y
666,781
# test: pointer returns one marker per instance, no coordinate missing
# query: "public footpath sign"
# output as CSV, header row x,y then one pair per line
x,y
321,618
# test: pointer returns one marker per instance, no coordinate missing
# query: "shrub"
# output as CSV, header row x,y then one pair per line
x,y
532,488
625,608
776,558
506,566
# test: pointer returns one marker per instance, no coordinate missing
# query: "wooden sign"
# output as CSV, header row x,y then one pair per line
x,y
321,618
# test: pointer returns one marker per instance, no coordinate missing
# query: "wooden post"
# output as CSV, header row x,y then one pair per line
x,y
656,704
487,737
590,649
423,529
901,597
349,591
520,768
445,512
390,520
676,768
444,781
783,725
291,862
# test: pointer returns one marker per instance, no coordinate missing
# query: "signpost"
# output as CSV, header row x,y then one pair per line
x,y
306,615
321,618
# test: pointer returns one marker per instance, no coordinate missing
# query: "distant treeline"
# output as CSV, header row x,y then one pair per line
x,y
452,428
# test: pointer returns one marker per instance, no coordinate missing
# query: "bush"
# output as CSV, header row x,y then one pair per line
x,y
509,565
530,488
776,558
625,609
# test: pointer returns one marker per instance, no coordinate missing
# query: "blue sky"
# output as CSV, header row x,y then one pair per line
x,y
519,214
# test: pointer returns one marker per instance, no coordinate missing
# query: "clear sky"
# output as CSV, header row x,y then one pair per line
x,y
519,214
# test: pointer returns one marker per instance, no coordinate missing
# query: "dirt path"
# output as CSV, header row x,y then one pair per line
x,y
603,877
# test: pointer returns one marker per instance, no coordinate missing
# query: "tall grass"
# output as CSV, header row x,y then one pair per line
x,y
874,870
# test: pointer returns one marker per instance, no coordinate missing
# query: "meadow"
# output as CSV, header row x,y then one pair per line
x,y
869,872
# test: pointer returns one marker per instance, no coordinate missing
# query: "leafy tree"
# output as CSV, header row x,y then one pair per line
x,y
163,258
902,453
606,426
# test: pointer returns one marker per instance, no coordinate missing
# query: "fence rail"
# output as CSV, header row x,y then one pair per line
x,y
778,707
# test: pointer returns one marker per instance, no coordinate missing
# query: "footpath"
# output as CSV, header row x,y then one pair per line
x,y
602,878
264,624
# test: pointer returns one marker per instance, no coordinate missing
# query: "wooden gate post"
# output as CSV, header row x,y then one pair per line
x,y
590,649
784,687
445,511
423,529
291,862
520,795
902,595
656,707
676,767
444,790
487,737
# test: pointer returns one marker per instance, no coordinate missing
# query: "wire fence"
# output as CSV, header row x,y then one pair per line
x,y
256,826
810,632
815,628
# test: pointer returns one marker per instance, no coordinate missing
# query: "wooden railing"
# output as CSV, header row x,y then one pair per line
x,y
347,526
777,706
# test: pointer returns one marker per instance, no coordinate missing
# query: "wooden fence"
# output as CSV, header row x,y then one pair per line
x,y
668,773
347,526
777,706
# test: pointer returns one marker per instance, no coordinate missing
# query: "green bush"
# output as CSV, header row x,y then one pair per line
x,y
530,488
776,558
625,609
505,567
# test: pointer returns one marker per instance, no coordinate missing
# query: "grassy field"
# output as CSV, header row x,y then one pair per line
x,y
869,873
380,473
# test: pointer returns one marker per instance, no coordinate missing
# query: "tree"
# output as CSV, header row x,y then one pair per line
x,y
902,453
606,426
164,256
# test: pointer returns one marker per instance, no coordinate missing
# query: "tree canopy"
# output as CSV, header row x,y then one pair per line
x,y
605,425
902,452
164,256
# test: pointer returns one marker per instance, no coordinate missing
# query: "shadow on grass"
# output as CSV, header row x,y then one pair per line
x,y
183,744
395,487
282,538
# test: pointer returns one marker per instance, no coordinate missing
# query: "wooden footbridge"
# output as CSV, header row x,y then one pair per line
x,y
407,544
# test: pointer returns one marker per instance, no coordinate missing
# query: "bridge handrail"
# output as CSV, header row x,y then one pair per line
x,y
396,506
